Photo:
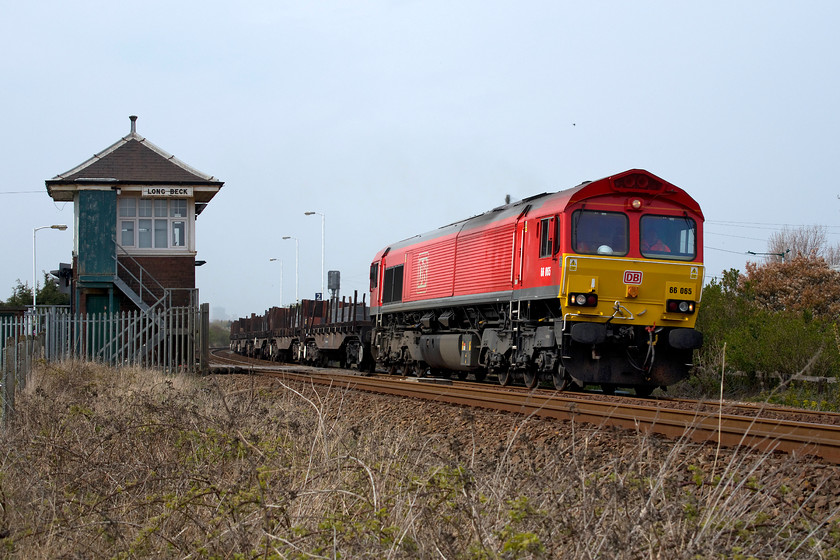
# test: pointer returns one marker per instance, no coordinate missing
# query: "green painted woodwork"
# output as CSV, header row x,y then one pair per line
x,y
100,303
96,213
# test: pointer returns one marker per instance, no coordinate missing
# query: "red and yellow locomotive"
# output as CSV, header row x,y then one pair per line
x,y
597,284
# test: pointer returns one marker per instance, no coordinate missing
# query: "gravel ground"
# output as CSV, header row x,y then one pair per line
x,y
480,437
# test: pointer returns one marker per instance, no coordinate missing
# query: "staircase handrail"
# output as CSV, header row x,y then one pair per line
x,y
120,266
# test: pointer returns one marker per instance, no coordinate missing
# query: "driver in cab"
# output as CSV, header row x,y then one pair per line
x,y
652,243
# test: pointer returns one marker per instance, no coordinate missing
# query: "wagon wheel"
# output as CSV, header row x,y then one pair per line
x,y
560,379
408,369
462,375
392,369
531,377
480,375
505,376
608,388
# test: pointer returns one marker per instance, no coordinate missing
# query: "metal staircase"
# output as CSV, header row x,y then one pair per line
x,y
137,283
143,333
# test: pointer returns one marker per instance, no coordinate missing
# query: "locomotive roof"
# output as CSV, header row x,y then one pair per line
x,y
626,182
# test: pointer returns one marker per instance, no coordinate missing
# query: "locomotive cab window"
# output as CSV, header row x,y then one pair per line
x,y
546,241
599,233
668,237
392,284
374,276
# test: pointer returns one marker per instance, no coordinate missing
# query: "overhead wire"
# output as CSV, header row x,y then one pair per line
x,y
735,236
770,225
726,250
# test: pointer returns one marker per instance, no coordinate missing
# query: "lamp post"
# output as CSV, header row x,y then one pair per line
x,y
297,268
323,223
281,278
60,227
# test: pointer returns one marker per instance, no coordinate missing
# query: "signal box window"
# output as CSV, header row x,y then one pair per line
x,y
146,223
668,237
599,233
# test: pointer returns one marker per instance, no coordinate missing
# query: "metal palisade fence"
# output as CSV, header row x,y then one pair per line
x,y
173,340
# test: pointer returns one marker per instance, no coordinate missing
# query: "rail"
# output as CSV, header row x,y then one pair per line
x,y
705,423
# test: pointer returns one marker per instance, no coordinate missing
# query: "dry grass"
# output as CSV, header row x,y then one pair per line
x,y
130,463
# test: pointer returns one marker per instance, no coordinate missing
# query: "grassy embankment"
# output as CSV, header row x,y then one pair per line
x,y
130,463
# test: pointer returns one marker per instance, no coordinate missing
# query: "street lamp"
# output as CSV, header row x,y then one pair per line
x,y
60,227
323,223
281,278
781,255
297,268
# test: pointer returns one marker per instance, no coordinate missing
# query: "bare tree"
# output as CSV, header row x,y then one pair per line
x,y
806,241
832,256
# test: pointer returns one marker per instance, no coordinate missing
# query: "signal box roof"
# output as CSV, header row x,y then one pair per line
x,y
132,160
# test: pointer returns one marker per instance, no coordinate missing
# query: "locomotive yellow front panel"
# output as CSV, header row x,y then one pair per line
x,y
632,291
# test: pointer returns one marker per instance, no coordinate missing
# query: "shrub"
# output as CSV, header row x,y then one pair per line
x,y
767,340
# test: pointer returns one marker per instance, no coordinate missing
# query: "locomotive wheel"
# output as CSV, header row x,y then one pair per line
x,y
505,377
531,378
560,379
644,390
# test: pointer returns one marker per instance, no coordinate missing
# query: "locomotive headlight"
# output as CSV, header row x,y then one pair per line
x,y
584,300
633,204
679,306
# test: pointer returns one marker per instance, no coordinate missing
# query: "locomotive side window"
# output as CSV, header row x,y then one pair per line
x,y
599,233
374,276
392,284
545,238
668,237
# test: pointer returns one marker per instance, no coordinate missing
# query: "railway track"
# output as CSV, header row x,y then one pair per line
x,y
763,428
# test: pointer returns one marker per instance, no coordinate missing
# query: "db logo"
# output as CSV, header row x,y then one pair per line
x,y
632,277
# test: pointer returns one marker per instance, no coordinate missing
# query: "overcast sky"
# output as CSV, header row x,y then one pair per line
x,y
395,118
